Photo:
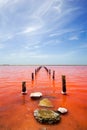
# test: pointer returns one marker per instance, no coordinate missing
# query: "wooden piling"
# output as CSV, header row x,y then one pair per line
x,y
63,84
24,87
53,75
35,71
32,76
46,69
49,72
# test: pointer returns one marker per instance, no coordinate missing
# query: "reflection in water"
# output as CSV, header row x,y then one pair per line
x,y
35,80
49,80
23,99
64,101
32,83
49,77
53,84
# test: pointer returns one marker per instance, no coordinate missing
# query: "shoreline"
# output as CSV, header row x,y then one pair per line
x,y
42,65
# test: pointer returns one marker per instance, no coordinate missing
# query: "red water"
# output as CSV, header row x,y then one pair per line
x,y
16,110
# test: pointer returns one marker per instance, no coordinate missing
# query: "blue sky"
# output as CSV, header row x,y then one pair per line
x,y
43,32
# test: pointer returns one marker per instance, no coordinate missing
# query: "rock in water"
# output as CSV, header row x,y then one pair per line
x,y
62,110
36,95
46,116
45,103
44,128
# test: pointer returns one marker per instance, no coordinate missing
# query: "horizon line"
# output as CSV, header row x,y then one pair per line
x,y
43,64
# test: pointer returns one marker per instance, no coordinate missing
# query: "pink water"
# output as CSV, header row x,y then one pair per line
x,y
16,110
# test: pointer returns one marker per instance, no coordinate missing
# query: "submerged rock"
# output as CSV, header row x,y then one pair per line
x,y
43,128
45,103
62,110
46,116
36,95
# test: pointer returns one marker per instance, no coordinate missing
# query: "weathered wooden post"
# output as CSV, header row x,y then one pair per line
x,y
49,72
63,84
53,75
46,69
32,76
35,71
24,87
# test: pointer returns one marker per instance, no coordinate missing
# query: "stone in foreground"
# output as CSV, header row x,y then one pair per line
x,y
36,95
46,116
62,110
45,103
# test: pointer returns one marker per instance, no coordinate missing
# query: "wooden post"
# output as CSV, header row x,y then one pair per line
x,y
35,71
53,75
32,76
24,87
63,84
49,72
46,69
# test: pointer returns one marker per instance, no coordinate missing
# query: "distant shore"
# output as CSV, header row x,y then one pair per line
x,y
43,65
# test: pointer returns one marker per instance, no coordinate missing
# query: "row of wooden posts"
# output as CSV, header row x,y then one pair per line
x,y
53,77
36,71
48,71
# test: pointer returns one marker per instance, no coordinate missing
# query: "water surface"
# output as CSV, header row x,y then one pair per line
x,y
16,110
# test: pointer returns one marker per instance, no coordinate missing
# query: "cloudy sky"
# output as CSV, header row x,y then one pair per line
x,y
43,32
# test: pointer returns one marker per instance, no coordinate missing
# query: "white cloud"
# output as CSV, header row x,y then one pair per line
x,y
8,3
51,42
30,29
58,5
32,45
62,32
63,19
74,38
43,8
37,46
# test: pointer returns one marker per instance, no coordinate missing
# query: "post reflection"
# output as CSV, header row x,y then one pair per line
x,y
53,84
23,99
32,83
64,101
